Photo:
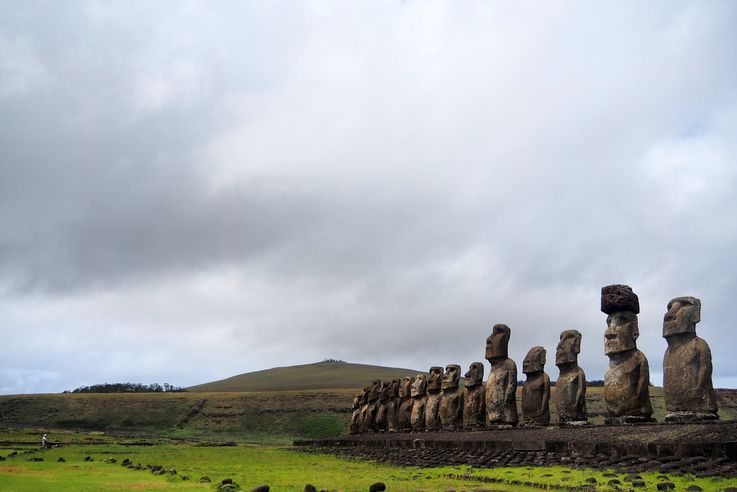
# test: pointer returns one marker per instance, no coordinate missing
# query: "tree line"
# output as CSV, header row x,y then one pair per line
x,y
128,388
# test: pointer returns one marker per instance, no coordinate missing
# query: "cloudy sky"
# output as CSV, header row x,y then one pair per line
x,y
193,190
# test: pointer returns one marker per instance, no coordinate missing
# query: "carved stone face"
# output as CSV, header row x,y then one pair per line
x,y
394,388
534,361
475,374
568,347
497,343
419,387
358,398
374,391
405,390
452,377
365,394
384,391
621,332
682,316
435,380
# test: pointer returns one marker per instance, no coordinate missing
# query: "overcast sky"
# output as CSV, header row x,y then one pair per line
x,y
194,190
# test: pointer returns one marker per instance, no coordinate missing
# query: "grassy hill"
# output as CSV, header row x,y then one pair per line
x,y
321,375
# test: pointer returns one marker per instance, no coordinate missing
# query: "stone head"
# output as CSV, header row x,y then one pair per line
x,y
419,386
375,390
475,374
682,316
435,380
405,389
357,400
452,377
365,394
569,347
394,388
384,391
497,343
621,332
534,360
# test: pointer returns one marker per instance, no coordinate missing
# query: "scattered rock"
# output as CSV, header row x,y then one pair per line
x,y
172,471
226,481
377,487
694,488
662,477
88,458
261,488
631,477
639,483
666,486
61,460
35,459
184,477
205,479
613,482
591,480
2,458
609,475
310,488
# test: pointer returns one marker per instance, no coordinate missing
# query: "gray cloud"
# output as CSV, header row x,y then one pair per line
x,y
187,193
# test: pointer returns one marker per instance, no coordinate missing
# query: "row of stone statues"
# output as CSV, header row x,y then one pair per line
x,y
437,402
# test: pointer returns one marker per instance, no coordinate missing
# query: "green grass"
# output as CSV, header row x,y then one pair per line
x,y
251,465
321,375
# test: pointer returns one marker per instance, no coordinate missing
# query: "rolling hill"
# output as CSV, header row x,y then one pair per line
x,y
320,375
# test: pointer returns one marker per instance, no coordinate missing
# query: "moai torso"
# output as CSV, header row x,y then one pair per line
x,y
570,393
570,389
392,413
432,405
627,378
356,415
688,389
536,390
501,388
626,382
451,401
404,417
382,408
474,402
419,399
372,407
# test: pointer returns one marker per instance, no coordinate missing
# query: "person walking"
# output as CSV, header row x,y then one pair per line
x,y
44,441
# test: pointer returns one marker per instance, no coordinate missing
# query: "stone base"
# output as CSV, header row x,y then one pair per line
x,y
574,423
532,425
629,419
690,416
501,426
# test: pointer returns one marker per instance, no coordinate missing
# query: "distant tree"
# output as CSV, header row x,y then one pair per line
x,y
334,361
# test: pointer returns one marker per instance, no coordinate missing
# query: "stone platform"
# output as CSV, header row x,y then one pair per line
x,y
700,448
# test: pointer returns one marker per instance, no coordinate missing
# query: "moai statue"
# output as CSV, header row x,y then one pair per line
x,y
365,408
404,419
501,388
536,390
419,399
627,378
373,405
570,389
451,401
474,404
382,408
689,394
356,416
392,412
432,407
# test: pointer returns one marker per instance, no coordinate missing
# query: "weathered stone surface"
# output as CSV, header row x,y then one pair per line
x,y
419,399
501,388
571,385
404,419
615,298
372,405
627,379
687,368
536,390
432,406
382,408
358,400
392,412
474,402
451,400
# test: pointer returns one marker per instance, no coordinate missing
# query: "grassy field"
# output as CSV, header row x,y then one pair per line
x,y
251,465
320,375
